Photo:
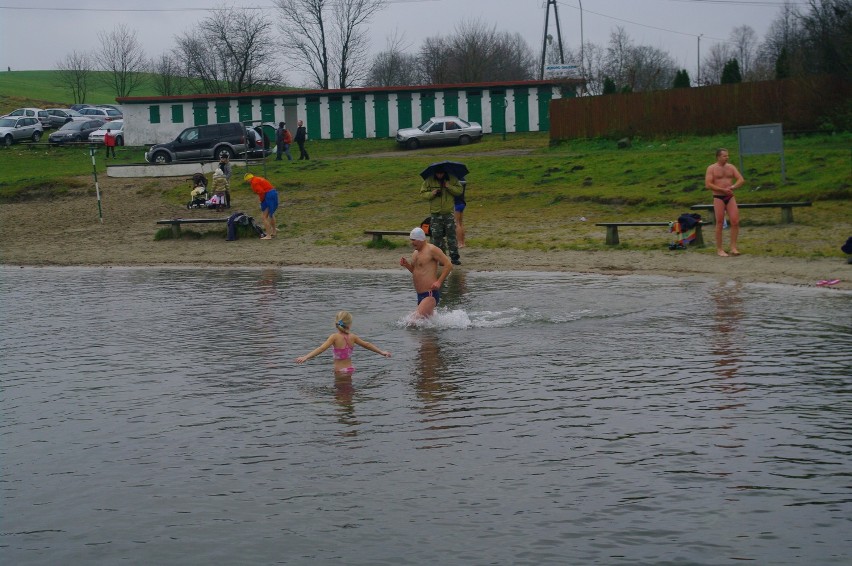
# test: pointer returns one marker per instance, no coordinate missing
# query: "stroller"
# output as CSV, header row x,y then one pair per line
x,y
199,194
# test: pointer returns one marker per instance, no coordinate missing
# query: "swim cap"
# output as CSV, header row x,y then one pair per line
x,y
248,177
418,234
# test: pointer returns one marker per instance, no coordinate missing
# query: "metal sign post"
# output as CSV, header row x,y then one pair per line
x,y
97,188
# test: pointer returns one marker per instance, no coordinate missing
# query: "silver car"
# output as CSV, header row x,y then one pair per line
x,y
16,128
440,130
58,117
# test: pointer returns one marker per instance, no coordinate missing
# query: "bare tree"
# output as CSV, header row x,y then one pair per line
x,y
122,57
434,61
476,53
714,62
166,75
230,51
649,68
327,38
618,54
744,42
74,73
351,41
827,35
393,66
783,41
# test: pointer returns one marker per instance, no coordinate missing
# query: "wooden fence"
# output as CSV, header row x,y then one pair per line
x,y
798,104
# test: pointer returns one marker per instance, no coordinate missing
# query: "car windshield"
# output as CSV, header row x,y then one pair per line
x,y
70,126
7,123
114,125
424,127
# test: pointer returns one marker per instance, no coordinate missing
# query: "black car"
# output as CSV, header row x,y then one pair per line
x,y
208,142
76,131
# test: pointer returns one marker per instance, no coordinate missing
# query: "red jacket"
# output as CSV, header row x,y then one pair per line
x,y
109,140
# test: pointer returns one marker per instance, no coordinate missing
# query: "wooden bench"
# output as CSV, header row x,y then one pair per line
x,y
377,234
176,222
612,230
786,209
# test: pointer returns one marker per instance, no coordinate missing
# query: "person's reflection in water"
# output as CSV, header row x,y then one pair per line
x,y
456,289
430,385
727,322
344,391
266,323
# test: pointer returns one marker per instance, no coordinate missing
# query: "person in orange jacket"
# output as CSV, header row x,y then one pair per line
x,y
268,203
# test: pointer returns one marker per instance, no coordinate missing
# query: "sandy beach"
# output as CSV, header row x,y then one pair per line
x,y
66,231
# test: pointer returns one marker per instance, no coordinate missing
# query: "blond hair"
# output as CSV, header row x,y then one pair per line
x,y
343,321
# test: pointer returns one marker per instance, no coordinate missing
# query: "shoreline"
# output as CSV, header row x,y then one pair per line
x,y
65,231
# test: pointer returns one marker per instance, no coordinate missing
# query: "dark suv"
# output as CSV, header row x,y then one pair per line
x,y
201,143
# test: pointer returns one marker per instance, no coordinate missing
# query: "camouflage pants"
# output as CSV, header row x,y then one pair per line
x,y
444,227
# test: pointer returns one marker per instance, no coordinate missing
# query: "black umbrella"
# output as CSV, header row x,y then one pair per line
x,y
454,168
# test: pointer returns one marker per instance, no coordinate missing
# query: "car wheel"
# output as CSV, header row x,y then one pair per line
x,y
161,158
223,151
36,136
119,140
7,141
412,144
464,140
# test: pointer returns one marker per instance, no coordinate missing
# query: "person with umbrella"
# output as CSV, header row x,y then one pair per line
x,y
440,187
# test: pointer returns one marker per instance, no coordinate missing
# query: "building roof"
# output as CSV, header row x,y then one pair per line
x,y
339,91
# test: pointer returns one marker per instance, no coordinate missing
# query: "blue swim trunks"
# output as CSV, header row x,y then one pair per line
x,y
270,202
424,294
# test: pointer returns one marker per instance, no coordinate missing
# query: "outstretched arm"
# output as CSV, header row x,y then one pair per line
x,y
365,344
318,351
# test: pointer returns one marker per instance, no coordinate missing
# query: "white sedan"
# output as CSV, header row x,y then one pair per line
x,y
116,128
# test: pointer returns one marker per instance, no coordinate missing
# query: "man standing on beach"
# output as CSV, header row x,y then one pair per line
x,y
424,272
723,179
441,190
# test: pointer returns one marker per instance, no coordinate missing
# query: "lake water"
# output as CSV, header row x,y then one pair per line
x,y
156,416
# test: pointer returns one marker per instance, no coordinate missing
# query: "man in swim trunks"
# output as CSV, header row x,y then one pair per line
x,y
424,272
268,203
722,179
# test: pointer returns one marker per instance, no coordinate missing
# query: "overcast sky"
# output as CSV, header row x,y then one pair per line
x,y
35,34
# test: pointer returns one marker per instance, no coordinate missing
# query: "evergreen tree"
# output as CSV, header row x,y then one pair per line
x,y
608,86
731,73
681,79
782,65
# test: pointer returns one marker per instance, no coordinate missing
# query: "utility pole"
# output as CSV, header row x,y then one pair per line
x,y
544,39
698,73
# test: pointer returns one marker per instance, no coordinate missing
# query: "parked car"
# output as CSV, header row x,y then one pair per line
x,y
19,128
58,117
440,130
27,112
75,131
79,107
201,142
105,114
116,128
116,108
30,113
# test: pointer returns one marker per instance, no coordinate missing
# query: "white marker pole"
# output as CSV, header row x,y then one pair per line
x,y
97,188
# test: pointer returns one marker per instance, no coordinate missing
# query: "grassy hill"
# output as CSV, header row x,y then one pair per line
x,y
43,89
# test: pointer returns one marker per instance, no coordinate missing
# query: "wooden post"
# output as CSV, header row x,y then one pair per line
x,y
612,235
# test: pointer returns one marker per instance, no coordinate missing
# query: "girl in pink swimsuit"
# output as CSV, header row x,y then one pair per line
x,y
342,343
